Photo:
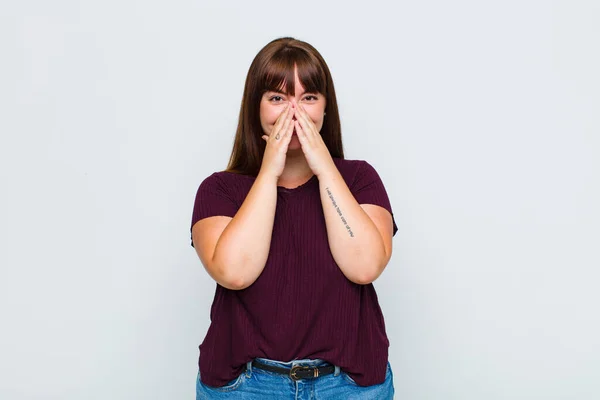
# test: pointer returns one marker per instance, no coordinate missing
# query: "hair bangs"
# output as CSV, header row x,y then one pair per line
x,y
279,74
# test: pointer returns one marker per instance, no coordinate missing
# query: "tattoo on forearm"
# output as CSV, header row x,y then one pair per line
x,y
339,212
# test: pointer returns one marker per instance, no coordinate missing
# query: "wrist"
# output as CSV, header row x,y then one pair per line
x,y
267,178
330,172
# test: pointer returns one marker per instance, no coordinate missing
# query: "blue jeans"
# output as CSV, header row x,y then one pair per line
x,y
258,384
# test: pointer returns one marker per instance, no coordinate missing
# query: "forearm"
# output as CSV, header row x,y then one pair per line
x,y
354,240
243,248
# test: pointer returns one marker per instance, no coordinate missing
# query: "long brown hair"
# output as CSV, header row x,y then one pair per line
x,y
272,69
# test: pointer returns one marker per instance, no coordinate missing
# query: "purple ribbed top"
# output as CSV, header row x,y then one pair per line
x,y
301,306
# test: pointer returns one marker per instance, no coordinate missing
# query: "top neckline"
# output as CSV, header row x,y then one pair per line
x,y
284,189
281,188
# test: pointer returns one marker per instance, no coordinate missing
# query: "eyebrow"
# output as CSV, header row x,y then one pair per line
x,y
279,92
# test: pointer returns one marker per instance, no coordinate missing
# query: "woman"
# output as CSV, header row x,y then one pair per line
x,y
294,235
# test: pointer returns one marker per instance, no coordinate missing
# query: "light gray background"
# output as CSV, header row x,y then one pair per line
x,y
481,118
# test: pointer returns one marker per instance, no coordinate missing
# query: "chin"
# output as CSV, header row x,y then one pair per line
x,y
294,145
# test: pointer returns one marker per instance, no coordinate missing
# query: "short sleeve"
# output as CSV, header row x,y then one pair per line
x,y
212,198
368,188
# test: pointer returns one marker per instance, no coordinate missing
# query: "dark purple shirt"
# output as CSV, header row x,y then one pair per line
x,y
301,306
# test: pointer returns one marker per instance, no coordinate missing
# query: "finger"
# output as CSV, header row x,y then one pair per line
x,y
288,122
290,129
281,118
301,133
285,137
305,121
309,120
287,118
304,130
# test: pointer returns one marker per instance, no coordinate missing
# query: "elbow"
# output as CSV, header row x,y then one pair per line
x,y
233,284
238,283
372,264
363,275
363,281
368,273
233,277
366,278
233,281
228,277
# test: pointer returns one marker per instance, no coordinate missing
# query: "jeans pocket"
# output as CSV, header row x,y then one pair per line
x,y
347,378
388,374
228,387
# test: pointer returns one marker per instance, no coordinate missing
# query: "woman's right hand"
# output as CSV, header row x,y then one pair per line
x,y
273,161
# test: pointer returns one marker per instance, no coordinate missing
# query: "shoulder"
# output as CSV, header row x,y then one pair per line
x,y
353,170
347,166
226,181
221,187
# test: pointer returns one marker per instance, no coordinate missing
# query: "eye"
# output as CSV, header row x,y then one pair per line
x,y
275,99
311,98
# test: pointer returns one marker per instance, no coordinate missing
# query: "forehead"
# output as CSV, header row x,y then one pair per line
x,y
298,87
293,79
299,90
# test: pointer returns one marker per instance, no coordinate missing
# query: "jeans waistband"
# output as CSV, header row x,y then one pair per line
x,y
309,362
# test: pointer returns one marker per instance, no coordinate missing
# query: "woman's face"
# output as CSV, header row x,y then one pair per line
x,y
272,105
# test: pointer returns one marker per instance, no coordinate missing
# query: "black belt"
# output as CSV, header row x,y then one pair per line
x,y
297,372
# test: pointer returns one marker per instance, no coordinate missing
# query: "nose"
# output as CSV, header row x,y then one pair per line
x,y
295,105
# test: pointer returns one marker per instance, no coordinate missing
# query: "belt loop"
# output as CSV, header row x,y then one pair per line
x,y
337,370
249,369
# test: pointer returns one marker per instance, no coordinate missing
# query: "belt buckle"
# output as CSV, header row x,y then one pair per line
x,y
295,369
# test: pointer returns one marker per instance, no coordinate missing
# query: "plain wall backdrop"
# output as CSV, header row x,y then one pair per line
x,y
481,118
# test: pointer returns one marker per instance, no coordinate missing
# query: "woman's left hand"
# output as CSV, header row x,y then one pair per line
x,y
316,152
